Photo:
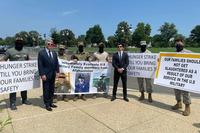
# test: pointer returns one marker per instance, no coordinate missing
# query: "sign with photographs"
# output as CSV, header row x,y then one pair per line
x,y
82,77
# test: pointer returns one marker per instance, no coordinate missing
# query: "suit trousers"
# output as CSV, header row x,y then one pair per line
x,y
123,77
48,91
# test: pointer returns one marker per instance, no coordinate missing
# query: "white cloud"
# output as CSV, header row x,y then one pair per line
x,y
65,13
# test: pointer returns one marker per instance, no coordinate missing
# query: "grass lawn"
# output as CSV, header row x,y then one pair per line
x,y
153,50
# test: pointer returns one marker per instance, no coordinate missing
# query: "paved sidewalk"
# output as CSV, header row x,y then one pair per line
x,y
101,115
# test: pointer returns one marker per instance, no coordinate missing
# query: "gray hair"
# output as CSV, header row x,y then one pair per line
x,y
48,41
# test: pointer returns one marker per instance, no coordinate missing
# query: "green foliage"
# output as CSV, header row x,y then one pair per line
x,y
67,37
9,41
167,31
141,33
4,123
123,33
55,35
94,35
112,40
32,38
81,38
195,35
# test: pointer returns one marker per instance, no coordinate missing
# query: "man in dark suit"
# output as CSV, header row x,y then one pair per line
x,y
48,70
120,63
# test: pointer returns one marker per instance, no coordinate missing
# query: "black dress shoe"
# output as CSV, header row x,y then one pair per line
x,y
126,99
113,98
13,107
26,102
49,108
53,106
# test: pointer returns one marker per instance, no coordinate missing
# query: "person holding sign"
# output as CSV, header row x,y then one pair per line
x,y
17,54
48,70
61,79
101,56
143,49
120,63
178,93
80,55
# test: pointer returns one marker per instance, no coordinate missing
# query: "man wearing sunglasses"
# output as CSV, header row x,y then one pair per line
x,y
120,63
48,70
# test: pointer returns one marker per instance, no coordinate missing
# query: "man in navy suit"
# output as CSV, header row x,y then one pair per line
x,y
48,70
120,63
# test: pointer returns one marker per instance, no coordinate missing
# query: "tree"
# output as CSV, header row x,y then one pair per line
x,y
81,38
9,41
67,38
112,41
123,33
34,38
55,35
142,32
167,31
157,41
195,35
94,35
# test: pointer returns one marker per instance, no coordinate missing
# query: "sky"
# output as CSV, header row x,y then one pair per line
x,y
80,15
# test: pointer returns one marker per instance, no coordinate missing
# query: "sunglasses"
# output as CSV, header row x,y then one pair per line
x,y
49,43
120,46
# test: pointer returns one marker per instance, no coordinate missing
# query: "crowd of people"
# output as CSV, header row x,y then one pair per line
x,y
48,66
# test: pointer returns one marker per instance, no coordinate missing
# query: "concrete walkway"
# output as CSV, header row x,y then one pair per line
x,y
101,115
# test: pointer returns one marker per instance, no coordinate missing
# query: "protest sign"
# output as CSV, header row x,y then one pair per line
x,y
84,77
18,76
179,71
142,65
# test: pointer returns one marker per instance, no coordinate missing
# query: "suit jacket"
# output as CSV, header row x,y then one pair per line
x,y
46,65
120,63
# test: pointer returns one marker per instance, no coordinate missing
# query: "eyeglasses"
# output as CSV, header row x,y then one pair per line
x,y
50,44
120,46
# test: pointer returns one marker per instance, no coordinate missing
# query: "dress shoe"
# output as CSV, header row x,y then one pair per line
x,y
53,106
126,99
49,108
13,107
113,98
26,102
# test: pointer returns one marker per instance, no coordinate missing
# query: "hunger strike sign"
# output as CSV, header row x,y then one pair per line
x,y
142,65
179,71
18,76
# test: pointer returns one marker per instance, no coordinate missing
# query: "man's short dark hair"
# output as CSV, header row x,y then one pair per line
x,y
119,43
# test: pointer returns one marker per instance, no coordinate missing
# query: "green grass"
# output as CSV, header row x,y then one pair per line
x,y
153,50
4,123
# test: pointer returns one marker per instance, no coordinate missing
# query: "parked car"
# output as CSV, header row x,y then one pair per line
x,y
4,48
